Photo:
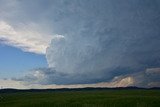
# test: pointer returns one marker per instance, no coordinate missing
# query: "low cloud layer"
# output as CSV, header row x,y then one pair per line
x,y
49,77
100,41
147,78
11,83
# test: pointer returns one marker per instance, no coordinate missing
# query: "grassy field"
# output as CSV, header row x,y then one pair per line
x,y
105,98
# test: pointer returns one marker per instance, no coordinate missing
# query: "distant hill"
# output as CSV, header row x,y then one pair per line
x,y
9,90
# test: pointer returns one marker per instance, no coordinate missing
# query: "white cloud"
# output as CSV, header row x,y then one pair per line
x,y
11,84
26,39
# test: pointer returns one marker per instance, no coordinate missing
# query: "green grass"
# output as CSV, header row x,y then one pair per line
x,y
108,98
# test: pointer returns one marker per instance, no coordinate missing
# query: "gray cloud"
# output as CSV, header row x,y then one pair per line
x,y
51,76
106,39
147,78
101,39
48,77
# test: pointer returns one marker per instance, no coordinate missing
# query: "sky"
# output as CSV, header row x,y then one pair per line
x,y
79,43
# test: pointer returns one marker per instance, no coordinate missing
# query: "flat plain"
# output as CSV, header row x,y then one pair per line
x,y
84,98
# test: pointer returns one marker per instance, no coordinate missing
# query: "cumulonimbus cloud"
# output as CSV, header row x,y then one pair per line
x,y
102,40
117,41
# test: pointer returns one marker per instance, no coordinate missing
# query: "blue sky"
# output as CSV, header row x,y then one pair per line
x,y
78,43
14,62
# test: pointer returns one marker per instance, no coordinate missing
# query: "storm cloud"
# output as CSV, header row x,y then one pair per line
x,y
100,40
104,39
